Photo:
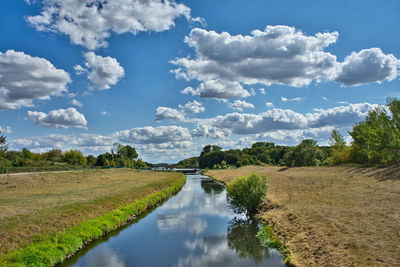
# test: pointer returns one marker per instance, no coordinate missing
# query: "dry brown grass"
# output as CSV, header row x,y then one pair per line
x,y
332,216
35,204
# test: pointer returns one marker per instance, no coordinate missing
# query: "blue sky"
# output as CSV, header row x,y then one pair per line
x,y
170,77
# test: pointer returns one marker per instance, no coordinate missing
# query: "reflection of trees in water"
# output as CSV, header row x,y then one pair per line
x,y
210,186
242,239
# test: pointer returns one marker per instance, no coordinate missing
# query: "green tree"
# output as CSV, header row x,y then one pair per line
x,y
74,157
307,153
3,143
55,155
246,193
340,153
91,160
336,139
376,140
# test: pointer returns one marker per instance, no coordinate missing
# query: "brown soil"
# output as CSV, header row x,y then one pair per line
x,y
332,216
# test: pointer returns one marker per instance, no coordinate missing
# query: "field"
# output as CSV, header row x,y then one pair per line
x,y
42,204
332,216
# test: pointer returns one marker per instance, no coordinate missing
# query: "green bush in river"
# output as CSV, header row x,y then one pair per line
x,y
246,193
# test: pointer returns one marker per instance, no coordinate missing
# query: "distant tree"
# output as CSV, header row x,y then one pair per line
x,y
128,152
74,157
263,145
54,155
336,139
307,153
140,164
101,160
27,154
340,153
210,148
91,160
3,143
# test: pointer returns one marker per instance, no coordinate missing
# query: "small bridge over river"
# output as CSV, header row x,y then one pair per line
x,y
187,170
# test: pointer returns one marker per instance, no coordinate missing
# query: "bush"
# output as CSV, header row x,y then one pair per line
x,y
246,193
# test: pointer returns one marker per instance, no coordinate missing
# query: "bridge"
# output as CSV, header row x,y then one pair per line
x,y
187,170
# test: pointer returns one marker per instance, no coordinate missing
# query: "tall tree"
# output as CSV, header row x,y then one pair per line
x,y
3,143
376,140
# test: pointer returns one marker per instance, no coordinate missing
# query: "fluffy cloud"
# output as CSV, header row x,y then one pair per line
x,y
241,123
6,130
24,78
276,120
154,135
368,65
163,113
76,103
278,55
220,89
60,118
240,105
192,107
90,23
339,116
102,71
204,130
269,104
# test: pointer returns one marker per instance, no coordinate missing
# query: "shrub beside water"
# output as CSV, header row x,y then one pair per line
x,y
246,193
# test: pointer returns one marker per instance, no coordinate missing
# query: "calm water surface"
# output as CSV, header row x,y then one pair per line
x,y
194,228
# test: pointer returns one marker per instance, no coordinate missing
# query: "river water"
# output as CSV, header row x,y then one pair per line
x,y
196,227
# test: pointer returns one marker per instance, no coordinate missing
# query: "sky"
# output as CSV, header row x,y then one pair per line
x,y
170,77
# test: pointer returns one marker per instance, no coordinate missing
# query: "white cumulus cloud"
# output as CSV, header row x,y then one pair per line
x,y
24,78
89,23
240,105
219,89
192,107
102,71
163,113
59,118
276,120
278,55
76,103
154,135
368,65
6,130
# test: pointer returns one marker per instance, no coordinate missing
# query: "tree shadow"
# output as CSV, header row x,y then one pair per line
x,y
241,235
380,173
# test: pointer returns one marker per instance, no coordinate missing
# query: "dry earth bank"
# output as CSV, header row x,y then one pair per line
x,y
332,216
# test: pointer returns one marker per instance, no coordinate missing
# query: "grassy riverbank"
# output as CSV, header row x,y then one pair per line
x,y
332,216
47,216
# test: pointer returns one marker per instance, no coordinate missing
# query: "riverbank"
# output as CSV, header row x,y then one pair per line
x,y
331,216
46,217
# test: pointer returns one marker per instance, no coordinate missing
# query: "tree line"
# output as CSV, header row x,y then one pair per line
x,y
119,156
376,142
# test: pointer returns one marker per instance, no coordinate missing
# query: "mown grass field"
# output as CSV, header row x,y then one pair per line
x,y
332,216
42,204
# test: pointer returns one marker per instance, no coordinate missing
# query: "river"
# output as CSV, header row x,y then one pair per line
x,y
196,227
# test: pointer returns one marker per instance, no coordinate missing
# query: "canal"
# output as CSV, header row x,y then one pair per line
x,y
196,227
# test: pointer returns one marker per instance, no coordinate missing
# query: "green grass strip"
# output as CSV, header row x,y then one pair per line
x,y
269,240
55,249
